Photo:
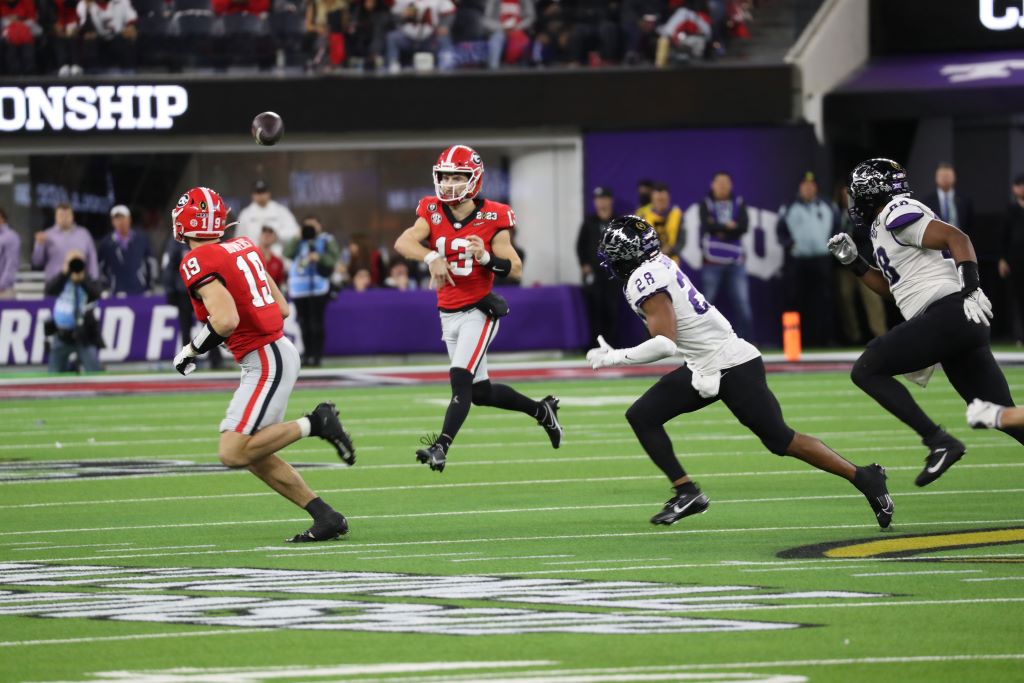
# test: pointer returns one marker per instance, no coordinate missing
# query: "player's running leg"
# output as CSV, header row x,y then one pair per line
x,y
670,396
544,411
745,391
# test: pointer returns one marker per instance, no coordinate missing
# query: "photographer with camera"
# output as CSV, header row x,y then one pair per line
x,y
313,255
74,328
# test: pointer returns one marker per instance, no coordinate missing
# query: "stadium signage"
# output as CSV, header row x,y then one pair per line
x,y
86,108
1012,17
245,598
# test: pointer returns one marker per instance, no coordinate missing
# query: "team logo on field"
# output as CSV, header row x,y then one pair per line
x,y
912,546
371,601
435,218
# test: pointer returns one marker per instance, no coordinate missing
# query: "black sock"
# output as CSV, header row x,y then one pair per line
x,y
688,487
458,408
318,509
444,441
505,397
860,478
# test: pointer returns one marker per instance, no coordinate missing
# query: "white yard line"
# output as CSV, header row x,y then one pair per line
x,y
134,636
923,573
628,559
994,578
506,558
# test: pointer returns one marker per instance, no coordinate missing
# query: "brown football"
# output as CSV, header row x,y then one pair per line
x,y
267,128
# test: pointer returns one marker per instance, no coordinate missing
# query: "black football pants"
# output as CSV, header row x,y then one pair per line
x,y
942,334
743,389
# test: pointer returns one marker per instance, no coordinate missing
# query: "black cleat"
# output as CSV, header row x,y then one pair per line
x,y
433,455
681,505
549,420
943,452
327,426
871,482
328,529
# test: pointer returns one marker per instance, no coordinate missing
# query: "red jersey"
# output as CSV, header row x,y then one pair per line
x,y
238,265
448,236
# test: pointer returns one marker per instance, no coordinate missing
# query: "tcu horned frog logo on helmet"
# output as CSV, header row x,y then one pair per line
x,y
458,159
199,214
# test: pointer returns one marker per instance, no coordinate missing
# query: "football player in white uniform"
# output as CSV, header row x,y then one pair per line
x,y
719,365
930,268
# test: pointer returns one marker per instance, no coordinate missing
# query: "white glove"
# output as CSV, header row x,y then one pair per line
x,y
983,415
843,248
185,361
604,355
977,307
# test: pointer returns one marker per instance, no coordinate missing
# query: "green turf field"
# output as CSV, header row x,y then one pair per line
x,y
518,563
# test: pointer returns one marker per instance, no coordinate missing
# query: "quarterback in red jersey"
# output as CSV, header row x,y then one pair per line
x,y
469,241
242,306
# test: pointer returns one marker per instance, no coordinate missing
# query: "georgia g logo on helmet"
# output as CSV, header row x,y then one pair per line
x,y
200,214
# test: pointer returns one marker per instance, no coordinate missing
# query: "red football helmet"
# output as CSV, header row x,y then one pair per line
x,y
200,214
458,159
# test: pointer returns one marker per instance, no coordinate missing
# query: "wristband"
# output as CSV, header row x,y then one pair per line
x,y
431,257
969,275
207,339
859,266
498,265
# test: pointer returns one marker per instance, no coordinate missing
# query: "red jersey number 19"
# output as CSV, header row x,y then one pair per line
x,y
261,295
463,264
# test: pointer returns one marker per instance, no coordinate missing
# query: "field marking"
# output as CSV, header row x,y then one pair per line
x,y
628,559
134,636
922,573
995,578
403,557
804,568
49,547
162,547
510,557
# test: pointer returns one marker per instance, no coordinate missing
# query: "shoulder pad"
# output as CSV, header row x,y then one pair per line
x,y
904,211
649,278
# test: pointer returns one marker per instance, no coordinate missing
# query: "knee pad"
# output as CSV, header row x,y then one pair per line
x,y
482,393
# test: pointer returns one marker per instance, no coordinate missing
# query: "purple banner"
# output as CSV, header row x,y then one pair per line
x,y
368,323
939,72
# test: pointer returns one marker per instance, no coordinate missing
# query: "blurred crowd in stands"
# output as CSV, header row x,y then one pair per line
x,y
72,37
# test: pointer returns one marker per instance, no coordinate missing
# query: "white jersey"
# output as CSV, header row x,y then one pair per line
x,y
704,337
916,276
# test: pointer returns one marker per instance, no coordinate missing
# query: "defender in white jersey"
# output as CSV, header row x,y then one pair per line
x,y
930,268
719,365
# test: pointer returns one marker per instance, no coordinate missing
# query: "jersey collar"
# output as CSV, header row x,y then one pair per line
x,y
456,223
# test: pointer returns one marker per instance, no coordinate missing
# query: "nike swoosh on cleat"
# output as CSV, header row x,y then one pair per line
x,y
935,468
887,508
677,509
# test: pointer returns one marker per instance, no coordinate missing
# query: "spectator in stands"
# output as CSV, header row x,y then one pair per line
x,y
362,280
176,295
552,36
948,204
850,286
805,226
108,34
273,262
19,29
53,244
264,211
595,32
256,7
600,288
325,24
640,22
1011,257
361,255
62,26
508,22
398,276
74,327
124,258
666,218
423,26
685,35
10,257
644,188
369,23
313,255
723,222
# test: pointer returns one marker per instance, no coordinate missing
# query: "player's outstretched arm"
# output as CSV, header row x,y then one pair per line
x,y
282,303
661,323
845,251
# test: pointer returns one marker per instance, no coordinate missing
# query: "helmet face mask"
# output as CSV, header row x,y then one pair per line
x,y
199,214
458,160
873,184
626,243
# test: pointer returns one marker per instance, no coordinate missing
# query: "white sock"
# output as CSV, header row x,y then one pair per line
x,y
304,426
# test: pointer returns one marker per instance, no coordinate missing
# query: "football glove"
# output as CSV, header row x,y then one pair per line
x,y
843,248
603,356
983,415
977,307
185,361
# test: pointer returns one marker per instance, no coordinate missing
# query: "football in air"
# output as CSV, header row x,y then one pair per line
x,y
267,128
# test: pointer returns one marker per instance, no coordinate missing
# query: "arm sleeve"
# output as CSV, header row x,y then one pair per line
x,y
38,258
582,256
90,257
653,349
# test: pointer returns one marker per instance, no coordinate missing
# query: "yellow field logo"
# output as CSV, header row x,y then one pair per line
x,y
916,544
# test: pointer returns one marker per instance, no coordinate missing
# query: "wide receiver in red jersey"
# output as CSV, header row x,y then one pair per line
x,y
469,243
241,305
